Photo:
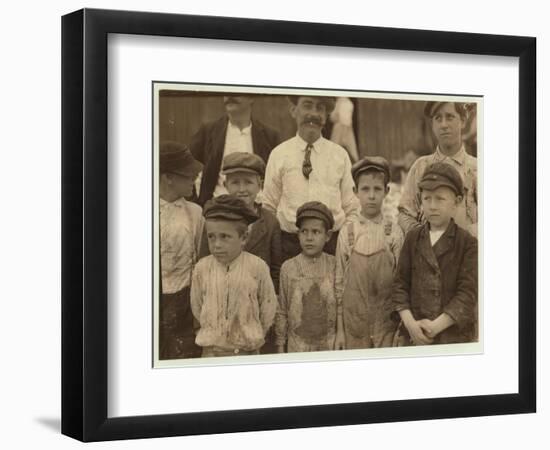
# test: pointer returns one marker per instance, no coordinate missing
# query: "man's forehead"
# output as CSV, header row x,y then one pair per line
x,y
304,99
448,107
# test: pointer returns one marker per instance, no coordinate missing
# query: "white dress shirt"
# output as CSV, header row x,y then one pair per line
x,y
330,182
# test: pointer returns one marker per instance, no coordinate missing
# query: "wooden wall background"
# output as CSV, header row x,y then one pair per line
x,y
388,128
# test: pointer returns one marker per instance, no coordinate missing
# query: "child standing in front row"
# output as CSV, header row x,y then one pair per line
x,y
366,257
232,295
435,288
306,317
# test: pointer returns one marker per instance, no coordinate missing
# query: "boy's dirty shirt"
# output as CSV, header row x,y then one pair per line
x,y
306,317
235,304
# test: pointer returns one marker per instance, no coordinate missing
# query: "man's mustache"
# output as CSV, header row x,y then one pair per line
x,y
311,119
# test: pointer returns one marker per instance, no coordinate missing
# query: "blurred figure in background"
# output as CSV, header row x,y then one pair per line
x,y
342,128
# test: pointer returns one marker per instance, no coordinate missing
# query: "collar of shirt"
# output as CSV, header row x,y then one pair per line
x,y
232,264
236,130
303,144
377,220
179,203
459,157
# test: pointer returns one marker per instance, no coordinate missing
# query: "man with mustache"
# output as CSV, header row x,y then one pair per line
x,y
236,131
308,167
447,120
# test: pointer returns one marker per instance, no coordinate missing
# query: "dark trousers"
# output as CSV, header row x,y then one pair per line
x,y
176,335
291,245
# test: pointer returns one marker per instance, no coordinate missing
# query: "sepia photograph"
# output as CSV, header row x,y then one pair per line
x,y
307,224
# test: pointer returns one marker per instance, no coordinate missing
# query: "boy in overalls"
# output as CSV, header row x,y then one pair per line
x,y
366,257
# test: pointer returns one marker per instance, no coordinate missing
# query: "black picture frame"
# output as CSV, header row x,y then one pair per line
x,y
84,224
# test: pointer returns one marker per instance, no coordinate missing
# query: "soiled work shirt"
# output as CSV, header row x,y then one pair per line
x,y
466,214
235,304
330,182
306,317
181,224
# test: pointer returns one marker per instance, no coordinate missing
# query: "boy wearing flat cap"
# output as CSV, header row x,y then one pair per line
x,y
306,168
435,287
181,226
244,174
448,120
366,259
306,317
232,295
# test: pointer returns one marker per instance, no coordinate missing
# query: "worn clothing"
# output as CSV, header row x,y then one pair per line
x,y
366,259
440,279
264,241
330,182
176,335
306,317
235,304
208,146
409,207
181,225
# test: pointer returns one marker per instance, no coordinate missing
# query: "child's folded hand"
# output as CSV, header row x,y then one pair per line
x,y
428,327
417,333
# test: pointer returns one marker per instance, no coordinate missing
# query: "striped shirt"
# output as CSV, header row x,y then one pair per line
x,y
235,304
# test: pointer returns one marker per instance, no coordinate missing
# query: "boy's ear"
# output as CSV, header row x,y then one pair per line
x,y
459,199
355,189
329,235
387,190
292,109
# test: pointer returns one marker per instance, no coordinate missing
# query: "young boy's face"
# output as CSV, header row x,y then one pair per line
x,y
244,185
371,191
447,126
313,236
439,206
226,239
182,185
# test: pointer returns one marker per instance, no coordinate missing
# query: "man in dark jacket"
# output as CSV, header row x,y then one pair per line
x,y
237,131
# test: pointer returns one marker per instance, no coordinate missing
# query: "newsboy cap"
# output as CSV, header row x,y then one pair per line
x,y
315,210
441,174
176,158
243,162
371,162
329,102
432,107
229,207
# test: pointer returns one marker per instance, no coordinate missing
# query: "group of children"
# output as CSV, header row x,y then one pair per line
x,y
380,289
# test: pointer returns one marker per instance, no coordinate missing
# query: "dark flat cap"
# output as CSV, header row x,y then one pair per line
x,y
229,207
371,162
243,162
432,107
176,158
330,102
441,174
315,210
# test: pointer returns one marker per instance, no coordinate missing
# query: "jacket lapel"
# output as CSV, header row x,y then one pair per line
x,y
259,142
257,234
425,247
446,241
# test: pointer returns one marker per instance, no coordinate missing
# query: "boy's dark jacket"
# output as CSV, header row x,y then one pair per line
x,y
264,242
433,280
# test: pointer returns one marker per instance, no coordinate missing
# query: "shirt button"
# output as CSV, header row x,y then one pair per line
x,y
236,351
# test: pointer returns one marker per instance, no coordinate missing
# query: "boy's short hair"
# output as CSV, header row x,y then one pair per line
x,y
329,102
371,164
231,208
315,210
441,174
243,162
432,107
